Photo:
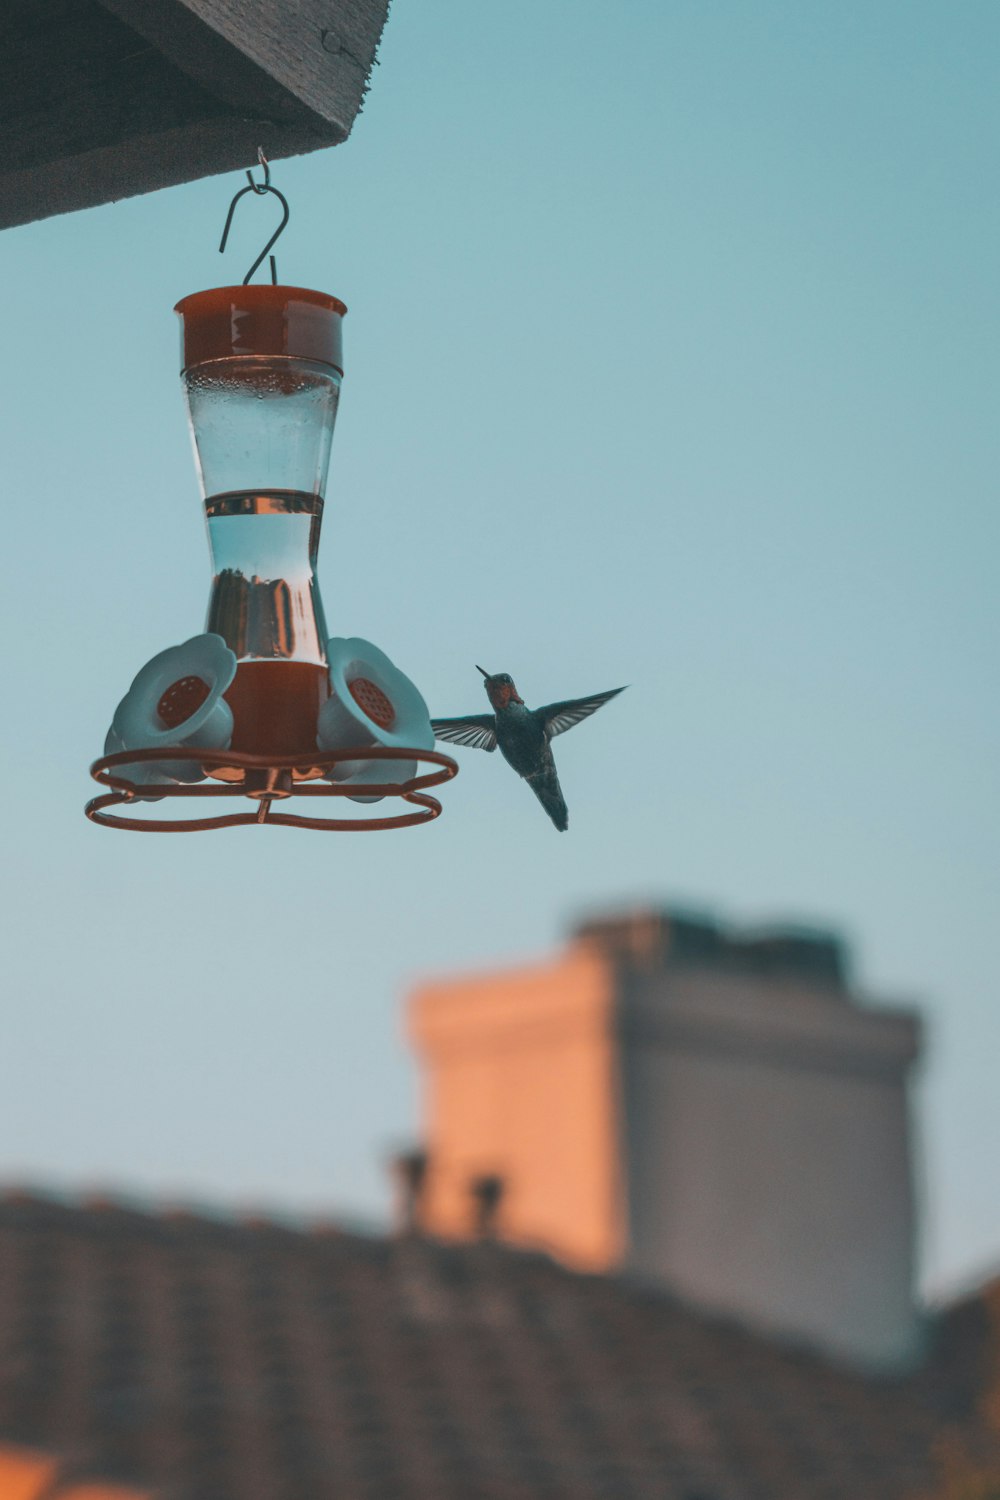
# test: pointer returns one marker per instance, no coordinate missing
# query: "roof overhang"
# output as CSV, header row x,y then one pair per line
x,y
106,99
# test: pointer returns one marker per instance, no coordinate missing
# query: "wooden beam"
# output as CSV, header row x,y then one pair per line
x,y
104,99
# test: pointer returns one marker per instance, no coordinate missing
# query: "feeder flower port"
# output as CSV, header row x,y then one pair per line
x,y
176,702
371,702
265,705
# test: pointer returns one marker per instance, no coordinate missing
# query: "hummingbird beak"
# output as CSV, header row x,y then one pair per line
x,y
479,669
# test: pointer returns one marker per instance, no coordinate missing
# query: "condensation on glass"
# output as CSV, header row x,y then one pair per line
x,y
262,368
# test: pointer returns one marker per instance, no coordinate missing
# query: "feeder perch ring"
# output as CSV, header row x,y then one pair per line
x,y
267,779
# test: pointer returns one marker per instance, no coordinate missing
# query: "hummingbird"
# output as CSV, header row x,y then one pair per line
x,y
523,735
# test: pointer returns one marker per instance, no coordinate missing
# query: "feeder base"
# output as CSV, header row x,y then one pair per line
x,y
265,779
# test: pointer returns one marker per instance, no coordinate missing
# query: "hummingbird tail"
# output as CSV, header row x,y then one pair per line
x,y
545,785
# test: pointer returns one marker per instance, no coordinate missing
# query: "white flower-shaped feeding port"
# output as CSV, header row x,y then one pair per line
x,y
176,701
371,703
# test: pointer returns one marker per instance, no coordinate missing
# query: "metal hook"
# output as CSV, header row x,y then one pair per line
x,y
260,189
263,188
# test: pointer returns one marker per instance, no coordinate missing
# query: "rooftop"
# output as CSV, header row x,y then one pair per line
x,y
194,1358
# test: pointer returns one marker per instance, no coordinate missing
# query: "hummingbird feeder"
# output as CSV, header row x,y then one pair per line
x,y
264,705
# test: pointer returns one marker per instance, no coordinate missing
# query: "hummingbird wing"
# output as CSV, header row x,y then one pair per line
x,y
477,730
558,717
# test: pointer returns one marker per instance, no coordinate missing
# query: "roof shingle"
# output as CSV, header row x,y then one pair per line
x,y
199,1359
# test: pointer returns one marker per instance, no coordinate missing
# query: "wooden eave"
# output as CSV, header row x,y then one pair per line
x,y
105,99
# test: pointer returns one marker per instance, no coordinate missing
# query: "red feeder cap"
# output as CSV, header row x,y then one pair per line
x,y
228,321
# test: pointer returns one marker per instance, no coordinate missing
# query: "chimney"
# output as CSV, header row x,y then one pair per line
x,y
486,1193
646,938
409,1172
710,1110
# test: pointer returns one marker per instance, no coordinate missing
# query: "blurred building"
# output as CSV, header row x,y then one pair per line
x,y
715,1112
657,1246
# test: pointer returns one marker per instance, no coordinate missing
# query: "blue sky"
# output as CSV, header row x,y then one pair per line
x,y
671,360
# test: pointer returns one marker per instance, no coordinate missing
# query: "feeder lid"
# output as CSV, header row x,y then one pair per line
x,y
265,320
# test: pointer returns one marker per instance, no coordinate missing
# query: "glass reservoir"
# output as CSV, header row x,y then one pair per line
x,y
262,367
